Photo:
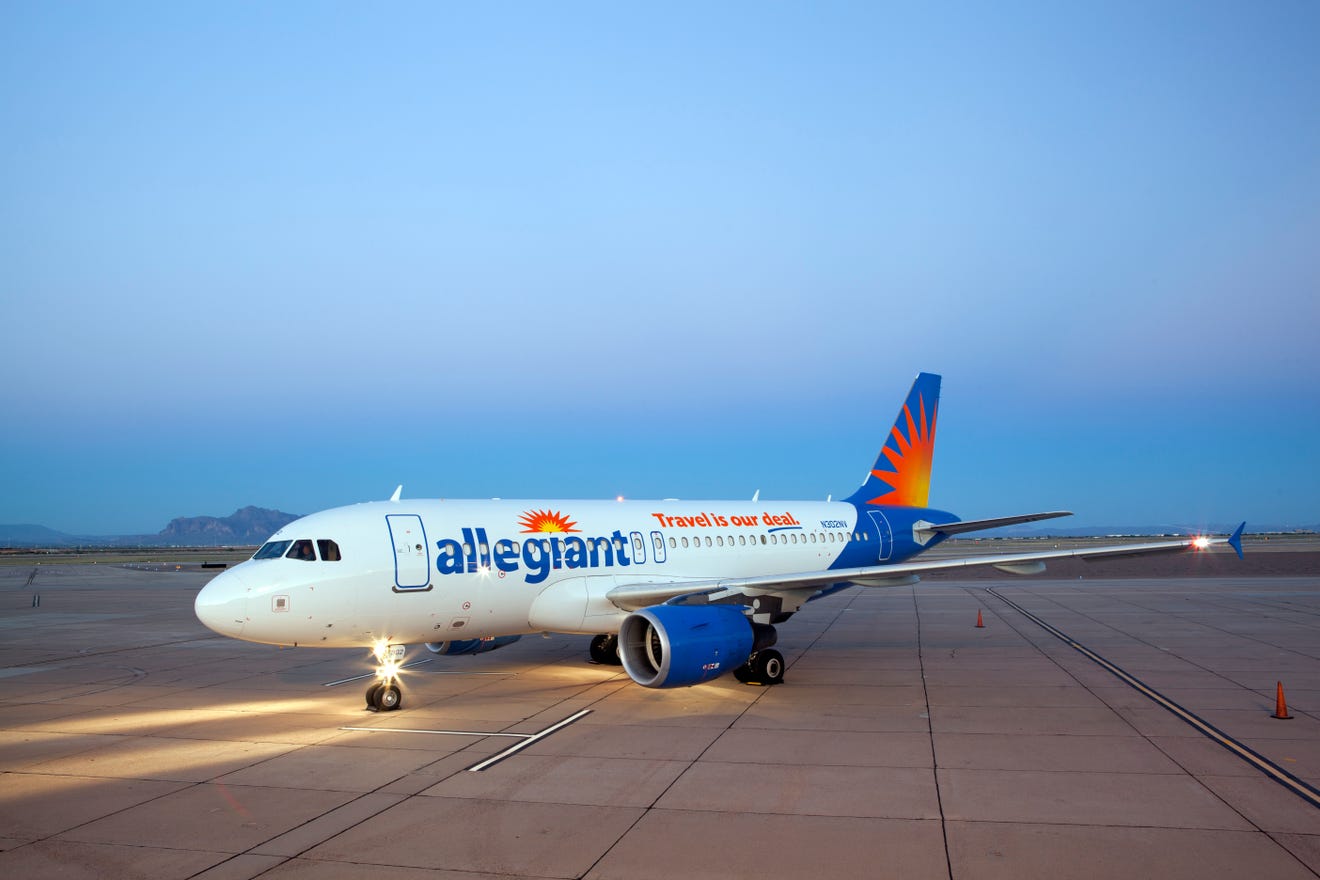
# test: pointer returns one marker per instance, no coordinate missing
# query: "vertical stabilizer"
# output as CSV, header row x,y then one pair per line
x,y
901,474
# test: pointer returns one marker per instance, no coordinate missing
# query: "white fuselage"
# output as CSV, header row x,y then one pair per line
x,y
436,571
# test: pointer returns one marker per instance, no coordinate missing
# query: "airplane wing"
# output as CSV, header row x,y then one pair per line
x,y
795,589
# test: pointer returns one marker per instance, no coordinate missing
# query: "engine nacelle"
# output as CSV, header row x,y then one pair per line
x,y
680,645
470,646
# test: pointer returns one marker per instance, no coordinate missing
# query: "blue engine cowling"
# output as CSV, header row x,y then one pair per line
x,y
470,646
680,645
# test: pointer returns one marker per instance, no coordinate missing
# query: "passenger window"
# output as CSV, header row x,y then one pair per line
x,y
272,550
302,550
742,540
685,542
329,550
637,543
763,539
673,542
719,540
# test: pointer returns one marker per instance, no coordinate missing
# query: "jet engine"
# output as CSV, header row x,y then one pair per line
x,y
668,646
470,646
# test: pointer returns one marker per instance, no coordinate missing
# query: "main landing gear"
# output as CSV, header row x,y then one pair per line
x,y
384,695
763,667
605,650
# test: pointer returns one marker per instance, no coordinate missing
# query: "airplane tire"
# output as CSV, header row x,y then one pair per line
x,y
770,667
743,673
605,650
389,698
371,695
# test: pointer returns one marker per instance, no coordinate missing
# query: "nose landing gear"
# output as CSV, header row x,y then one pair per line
x,y
384,695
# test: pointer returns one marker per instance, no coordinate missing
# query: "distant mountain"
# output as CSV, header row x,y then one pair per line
x,y
31,536
250,525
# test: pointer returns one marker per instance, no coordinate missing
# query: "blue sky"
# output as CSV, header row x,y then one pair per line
x,y
294,254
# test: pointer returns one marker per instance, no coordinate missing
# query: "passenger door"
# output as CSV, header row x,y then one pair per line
x,y
412,565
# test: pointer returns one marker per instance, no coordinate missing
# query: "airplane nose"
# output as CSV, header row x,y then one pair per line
x,y
222,604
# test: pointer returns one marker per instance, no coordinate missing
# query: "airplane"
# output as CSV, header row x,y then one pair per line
x,y
678,592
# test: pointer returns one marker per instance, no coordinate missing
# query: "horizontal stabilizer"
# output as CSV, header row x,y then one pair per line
x,y
924,531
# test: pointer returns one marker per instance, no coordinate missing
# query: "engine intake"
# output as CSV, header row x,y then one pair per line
x,y
680,645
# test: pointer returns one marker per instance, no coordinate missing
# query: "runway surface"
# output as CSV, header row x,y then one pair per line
x,y
905,742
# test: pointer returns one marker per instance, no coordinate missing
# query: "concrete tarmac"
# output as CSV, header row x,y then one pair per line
x,y
905,742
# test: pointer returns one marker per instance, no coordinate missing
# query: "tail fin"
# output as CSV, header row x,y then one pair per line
x,y
901,475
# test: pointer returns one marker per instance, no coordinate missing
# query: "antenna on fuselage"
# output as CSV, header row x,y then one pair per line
x,y
397,493
756,496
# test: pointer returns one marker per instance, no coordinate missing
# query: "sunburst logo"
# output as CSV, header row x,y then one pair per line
x,y
910,457
546,521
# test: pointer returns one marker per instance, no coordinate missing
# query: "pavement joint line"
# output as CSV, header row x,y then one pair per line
x,y
930,730
518,747
1297,786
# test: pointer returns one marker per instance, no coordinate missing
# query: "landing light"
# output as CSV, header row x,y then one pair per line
x,y
1201,543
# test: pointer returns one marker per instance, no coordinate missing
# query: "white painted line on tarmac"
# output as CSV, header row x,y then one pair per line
x,y
527,738
438,732
514,749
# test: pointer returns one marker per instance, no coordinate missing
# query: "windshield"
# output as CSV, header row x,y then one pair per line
x,y
272,549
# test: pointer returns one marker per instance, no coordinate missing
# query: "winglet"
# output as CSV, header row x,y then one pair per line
x,y
1235,540
397,493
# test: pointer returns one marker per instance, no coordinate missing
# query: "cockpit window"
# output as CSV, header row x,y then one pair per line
x,y
302,550
272,550
329,550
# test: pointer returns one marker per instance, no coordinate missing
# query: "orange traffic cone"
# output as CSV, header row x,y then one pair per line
x,y
980,624
1280,705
